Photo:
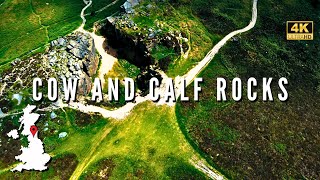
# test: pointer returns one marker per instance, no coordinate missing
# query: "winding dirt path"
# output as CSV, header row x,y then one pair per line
x,y
88,3
202,64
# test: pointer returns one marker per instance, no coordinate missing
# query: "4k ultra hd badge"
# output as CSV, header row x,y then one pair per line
x,y
299,30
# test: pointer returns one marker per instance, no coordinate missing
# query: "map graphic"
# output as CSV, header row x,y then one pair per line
x,y
33,157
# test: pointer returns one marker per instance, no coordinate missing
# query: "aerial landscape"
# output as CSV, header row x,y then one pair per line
x,y
159,89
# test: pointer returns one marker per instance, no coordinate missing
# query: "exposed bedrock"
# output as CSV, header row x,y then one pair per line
x,y
74,56
137,48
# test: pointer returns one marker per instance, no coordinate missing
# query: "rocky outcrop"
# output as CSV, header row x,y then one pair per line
x,y
74,56
137,47
22,72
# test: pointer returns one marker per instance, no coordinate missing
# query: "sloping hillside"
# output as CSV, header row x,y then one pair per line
x,y
259,140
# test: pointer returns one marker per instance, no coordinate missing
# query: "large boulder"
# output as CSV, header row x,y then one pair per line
x,y
74,56
78,53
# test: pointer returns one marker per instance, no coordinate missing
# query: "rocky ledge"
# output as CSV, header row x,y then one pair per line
x,y
74,56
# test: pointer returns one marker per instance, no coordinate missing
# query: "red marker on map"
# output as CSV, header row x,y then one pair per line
x,y
33,130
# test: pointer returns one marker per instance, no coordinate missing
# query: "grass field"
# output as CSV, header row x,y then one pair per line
x,y
140,140
219,17
28,25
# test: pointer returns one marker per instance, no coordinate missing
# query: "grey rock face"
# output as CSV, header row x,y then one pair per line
x,y
77,53
62,42
73,43
74,56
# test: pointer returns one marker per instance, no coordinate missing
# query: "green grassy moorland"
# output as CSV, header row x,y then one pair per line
x,y
28,25
259,140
